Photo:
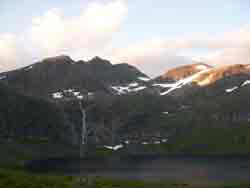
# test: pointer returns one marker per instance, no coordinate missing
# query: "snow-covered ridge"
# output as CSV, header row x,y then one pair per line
x,y
145,79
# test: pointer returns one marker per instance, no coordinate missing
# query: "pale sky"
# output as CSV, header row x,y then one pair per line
x,y
153,35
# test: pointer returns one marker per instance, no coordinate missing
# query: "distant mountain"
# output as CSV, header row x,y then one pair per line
x,y
178,80
220,72
182,72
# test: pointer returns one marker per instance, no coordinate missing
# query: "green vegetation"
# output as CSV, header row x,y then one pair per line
x,y
123,183
207,140
20,179
103,152
220,140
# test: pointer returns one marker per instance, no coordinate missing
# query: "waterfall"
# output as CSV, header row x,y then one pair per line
x,y
84,134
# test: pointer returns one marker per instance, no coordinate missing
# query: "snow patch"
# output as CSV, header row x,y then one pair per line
x,y
76,93
157,142
127,142
138,89
120,90
165,112
79,97
114,148
145,79
163,85
28,68
126,89
164,140
133,84
90,93
246,83
201,67
2,77
57,95
231,89
68,90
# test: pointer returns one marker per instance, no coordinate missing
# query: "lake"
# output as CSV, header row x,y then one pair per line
x,y
156,167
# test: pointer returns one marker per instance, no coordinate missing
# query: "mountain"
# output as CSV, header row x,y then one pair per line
x,y
192,77
56,74
124,106
205,74
182,72
61,83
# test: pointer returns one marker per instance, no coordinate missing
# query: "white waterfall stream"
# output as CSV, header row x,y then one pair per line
x,y
84,133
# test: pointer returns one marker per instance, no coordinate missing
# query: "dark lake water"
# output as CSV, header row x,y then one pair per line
x,y
157,167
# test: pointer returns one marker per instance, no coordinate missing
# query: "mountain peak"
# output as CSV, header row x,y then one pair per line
x,y
97,58
57,59
99,61
184,71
